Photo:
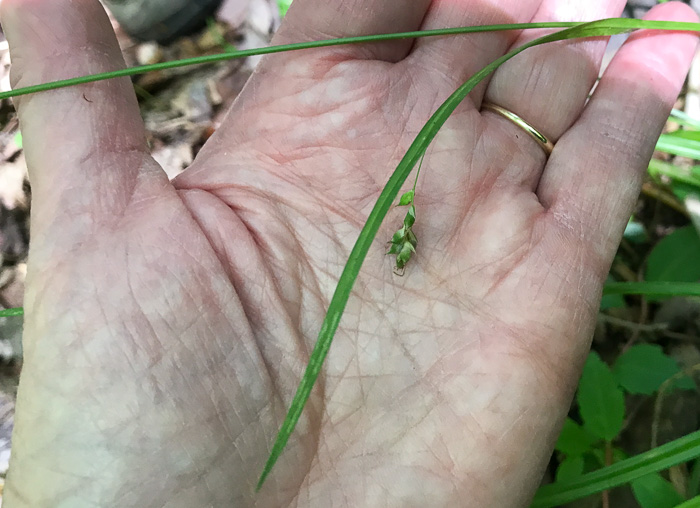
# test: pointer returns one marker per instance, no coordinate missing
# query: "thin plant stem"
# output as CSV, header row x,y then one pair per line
x,y
420,165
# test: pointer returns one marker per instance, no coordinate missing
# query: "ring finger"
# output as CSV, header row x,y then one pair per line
x,y
547,86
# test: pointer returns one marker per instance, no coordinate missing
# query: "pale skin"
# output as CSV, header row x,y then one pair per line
x,y
168,324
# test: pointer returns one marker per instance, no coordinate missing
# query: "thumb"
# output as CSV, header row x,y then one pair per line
x,y
85,145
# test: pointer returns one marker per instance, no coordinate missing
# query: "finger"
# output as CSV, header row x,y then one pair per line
x,y
326,19
546,85
84,145
456,58
593,178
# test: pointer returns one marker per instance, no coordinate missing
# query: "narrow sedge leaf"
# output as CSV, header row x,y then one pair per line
x,y
601,456
283,6
694,479
390,192
602,28
685,145
407,198
652,288
18,311
690,503
232,55
670,454
684,119
689,176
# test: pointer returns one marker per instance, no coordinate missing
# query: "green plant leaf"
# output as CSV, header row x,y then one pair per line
x,y
670,454
574,440
600,400
675,258
652,491
642,368
569,469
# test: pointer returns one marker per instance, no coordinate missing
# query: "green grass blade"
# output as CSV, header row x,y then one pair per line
x,y
18,311
684,119
387,197
679,145
652,288
676,452
689,176
629,24
690,503
231,55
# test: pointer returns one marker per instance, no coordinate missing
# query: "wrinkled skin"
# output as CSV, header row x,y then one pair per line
x,y
168,324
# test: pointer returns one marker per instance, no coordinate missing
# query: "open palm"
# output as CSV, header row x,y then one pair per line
x,y
167,324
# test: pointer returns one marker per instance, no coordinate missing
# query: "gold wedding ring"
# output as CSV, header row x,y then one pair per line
x,y
540,138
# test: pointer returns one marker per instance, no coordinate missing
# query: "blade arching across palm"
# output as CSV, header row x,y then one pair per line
x,y
183,314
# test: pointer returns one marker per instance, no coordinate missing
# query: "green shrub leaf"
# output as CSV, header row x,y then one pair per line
x,y
574,440
642,368
570,469
675,258
611,301
652,491
600,400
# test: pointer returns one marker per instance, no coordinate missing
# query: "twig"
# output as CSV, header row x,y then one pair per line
x,y
660,398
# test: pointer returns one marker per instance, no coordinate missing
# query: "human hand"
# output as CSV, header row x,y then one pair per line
x,y
167,324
